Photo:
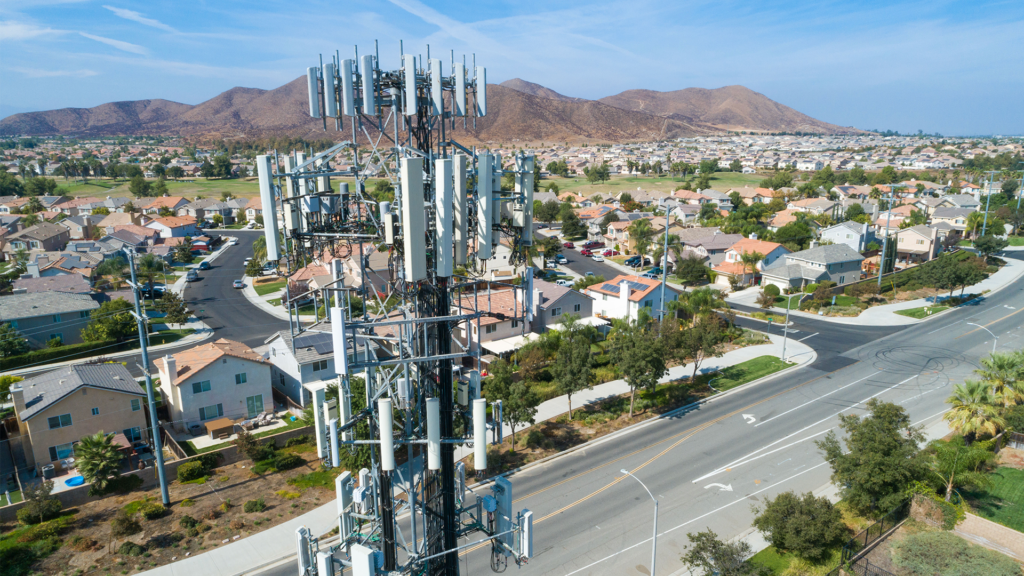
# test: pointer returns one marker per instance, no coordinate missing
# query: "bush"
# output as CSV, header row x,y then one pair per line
x,y
942,553
262,452
299,440
806,526
211,515
81,543
1015,418
51,509
209,460
192,532
124,524
287,461
187,521
810,288
192,470
237,524
152,511
187,503
534,438
121,485
772,290
255,506
130,549
225,505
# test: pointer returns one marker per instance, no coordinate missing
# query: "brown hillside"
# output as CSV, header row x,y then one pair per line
x,y
538,90
728,108
138,117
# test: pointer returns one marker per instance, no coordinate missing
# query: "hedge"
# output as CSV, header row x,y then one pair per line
x,y
191,471
772,290
47,354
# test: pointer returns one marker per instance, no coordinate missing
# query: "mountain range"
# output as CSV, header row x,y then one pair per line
x,y
518,111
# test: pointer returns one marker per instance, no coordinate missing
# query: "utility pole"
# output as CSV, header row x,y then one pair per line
x,y
154,422
988,200
885,239
664,266
1020,190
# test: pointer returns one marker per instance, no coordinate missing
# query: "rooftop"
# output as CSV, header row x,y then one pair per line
x,y
18,306
47,389
191,361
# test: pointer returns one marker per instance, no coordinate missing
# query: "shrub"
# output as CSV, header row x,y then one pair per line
x,y
810,288
929,553
152,511
192,470
806,526
81,543
130,549
299,440
287,495
287,461
255,506
772,290
51,509
187,503
237,524
120,485
187,521
124,524
192,532
165,540
209,460
211,515
534,438
225,505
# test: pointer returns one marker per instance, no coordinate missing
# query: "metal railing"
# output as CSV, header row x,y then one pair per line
x,y
866,538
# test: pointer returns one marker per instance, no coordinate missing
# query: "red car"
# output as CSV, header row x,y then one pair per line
x,y
586,252
610,253
568,245
594,244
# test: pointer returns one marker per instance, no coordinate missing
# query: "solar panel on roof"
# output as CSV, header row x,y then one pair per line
x,y
318,341
610,288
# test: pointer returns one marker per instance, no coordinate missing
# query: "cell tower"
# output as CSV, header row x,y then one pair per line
x,y
405,513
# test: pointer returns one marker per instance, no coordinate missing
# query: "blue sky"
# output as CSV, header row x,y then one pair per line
x,y
952,67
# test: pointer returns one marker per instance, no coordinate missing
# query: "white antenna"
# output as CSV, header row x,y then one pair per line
x,y
460,90
348,98
409,70
314,93
330,97
481,91
436,90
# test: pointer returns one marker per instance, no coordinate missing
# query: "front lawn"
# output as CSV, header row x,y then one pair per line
x,y
1003,500
268,287
922,312
792,302
191,450
744,372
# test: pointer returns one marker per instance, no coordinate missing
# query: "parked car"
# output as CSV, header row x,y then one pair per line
x,y
238,284
551,263
656,270
651,276
204,265
233,242
191,276
598,258
586,252
563,282
593,244
589,274
246,261
568,245
562,259
610,252
157,292
632,261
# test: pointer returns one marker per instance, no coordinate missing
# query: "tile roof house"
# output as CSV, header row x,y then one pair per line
x,y
836,262
733,271
917,244
304,360
73,206
41,237
70,283
44,316
552,302
965,201
57,409
172,203
624,296
60,263
175,226
255,208
121,219
955,217
222,379
81,226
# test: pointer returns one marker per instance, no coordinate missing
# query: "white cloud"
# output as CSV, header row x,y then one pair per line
x,y
137,17
119,44
43,73
11,30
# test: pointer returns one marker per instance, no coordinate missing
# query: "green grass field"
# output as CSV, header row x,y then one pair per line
x,y
744,372
242,188
721,181
1003,500
792,302
264,289
785,562
922,312
191,450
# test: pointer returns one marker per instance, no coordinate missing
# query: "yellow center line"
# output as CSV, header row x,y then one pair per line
x,y
686,434
990,323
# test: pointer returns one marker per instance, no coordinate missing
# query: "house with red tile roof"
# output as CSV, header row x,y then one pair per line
x,y
173,203
624,296
175,226
732,270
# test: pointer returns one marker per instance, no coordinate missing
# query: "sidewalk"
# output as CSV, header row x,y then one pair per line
x,y
262,303
796,351
885,315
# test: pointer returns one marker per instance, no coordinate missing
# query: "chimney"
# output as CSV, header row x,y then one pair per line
x,y
814,244
537,294
753,235
624,294
18,396
170,371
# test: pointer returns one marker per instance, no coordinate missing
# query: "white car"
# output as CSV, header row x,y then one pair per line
x,y
597,258
566,283
233,242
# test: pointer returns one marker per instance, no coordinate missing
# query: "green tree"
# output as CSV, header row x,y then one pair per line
x,y
988,244
9,185
708,554
139,187
857,176
5,386
572,226
1004,372
159,187
804,525
586,282
607,220
690,269
518,401
174,308
111,321
765,300
881,459
98,459
218,219
30,220
641,232
573,362
38,501
206,170
551,246
957,464
701,341
175,172
183,251
222,166
639,355
548,211
973,410
708,211
12,343
853,211
101,211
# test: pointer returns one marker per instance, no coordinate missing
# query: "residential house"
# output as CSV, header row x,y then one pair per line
x,y
10,204
10,223
69,283
809,165
121,219
755,195
853,234
553,302
44,316
917,244
691,197
623,297
172,203
174,226
112,204
713,246
501,331
815,206
45,264
41,237
74,206
55,410
928,204
955,217
255,208
964,201
303,361
722,199
836,262
222,379
732,270
82,226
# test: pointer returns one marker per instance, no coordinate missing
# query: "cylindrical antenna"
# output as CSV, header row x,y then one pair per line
x,y
479,434
387,438
434,433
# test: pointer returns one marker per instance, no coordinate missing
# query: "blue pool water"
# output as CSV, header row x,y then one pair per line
x,y
75,481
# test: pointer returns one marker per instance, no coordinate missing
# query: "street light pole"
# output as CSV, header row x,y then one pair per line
x,y
885,239
785,327
1020,191
994,337
664,266
654,551
988,200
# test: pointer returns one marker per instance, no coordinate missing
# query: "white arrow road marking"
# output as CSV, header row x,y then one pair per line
x,y
721,487
749,418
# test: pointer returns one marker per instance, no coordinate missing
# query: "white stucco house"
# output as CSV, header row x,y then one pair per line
x,y
624,296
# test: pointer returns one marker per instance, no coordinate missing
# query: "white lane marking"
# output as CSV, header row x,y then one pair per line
x,y
745,458
806,337
721,487
691,521
749,418
943,328
816,399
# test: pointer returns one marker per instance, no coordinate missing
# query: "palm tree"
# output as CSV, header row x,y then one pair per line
x,y
98,459
973,410
699,303
640,232
956,464
1003,373
974,220
750,260
149,266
